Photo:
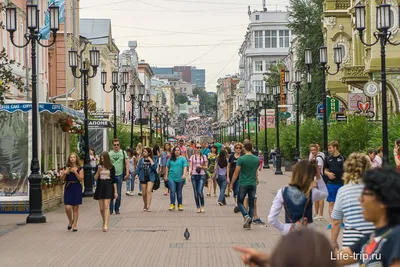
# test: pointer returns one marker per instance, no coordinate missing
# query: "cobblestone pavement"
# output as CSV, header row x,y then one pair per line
x,y
138,238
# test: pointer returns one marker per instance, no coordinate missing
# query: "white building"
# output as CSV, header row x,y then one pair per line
x,y
267,41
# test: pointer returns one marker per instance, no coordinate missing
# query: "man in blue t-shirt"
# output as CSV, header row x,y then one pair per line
x,y
333,169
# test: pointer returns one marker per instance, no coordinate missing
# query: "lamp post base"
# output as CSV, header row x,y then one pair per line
x,y
35,199
266,164
278,170
296,154
88,181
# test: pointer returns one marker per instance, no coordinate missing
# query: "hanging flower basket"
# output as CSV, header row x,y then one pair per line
x,y
65,123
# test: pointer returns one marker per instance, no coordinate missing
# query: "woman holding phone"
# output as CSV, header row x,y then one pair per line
x,y
146,173
73,176
107,187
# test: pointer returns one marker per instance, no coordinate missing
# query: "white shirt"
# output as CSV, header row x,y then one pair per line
x,y
376,162
318,193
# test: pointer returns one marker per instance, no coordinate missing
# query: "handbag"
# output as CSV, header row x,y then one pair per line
x,y
124,165
156,185
300,224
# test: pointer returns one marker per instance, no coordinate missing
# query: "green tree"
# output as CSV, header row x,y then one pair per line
x,y
208,103
181,98
304,18
6,76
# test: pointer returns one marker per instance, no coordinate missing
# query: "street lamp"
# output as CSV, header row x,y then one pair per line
x,y
254,109
275,96
33,38
382,35
263,105
323,59
150,108
144,100
114,88
165,118
132,98
84,74
297,80
242,115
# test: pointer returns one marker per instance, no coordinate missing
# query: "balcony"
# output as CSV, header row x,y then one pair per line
x,y
342,4
354,75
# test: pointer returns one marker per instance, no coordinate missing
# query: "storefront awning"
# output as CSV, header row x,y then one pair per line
x,y
49,107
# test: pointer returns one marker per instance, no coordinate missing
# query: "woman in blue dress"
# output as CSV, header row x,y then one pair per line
x,y
73,176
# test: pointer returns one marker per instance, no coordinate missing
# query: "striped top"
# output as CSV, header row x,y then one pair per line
x,y
348,206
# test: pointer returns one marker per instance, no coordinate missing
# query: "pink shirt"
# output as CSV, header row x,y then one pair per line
x,y
197,161
183,150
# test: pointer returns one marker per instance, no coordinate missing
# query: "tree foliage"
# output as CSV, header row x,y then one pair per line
x,y
6,76
208,103
181,98
305,22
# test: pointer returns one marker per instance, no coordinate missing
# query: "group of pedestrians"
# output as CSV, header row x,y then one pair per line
x,y
203,165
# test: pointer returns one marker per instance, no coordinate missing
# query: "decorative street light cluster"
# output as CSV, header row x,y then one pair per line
x,y
33,37
132,98
114,87
323,59
274,96
85,76
382,35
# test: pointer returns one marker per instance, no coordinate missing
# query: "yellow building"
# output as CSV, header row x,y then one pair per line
x,y
361,64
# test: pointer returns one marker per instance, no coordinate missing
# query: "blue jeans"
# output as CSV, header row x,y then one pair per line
x,y
235,188
119,179
222,183
198,185
250,191
130,182
175,188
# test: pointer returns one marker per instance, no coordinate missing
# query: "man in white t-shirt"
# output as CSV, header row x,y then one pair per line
x,y
318,156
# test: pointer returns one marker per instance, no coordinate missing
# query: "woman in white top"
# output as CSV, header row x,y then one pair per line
x,y
197,166
297,198
130,184
107,187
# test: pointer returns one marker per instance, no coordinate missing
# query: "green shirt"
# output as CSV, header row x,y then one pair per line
x,y
248,169
176,168
117,159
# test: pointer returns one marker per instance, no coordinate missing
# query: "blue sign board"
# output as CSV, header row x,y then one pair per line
x,y
49,107
320,111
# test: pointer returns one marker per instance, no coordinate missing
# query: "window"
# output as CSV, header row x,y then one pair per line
x,y
258,66
258,39
284,38
270,39
258,86
257,17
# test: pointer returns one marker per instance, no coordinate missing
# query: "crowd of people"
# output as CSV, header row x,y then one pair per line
x,y
363,197
198,127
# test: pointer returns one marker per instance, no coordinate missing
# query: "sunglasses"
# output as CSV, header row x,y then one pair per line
x,y
115,144
198,147
238,148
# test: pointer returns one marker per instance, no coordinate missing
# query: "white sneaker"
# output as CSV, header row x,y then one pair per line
x,y
319,217
128,193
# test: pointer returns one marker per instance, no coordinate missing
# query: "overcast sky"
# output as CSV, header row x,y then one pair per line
x,y
202,33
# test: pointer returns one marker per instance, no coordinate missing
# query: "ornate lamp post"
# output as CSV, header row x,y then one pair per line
x,y
156,110
263,104
33,38
297,80
243,117
85,76
248,114
164,112
255,112
144,101
132,98
382,35
323,59
275,96
114,88
150,108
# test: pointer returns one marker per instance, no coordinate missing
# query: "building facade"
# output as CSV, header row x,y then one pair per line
x,y
267,41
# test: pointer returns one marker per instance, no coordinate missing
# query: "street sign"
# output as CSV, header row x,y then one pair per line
x,y
341,117
284,115
320,112
332,107
99,124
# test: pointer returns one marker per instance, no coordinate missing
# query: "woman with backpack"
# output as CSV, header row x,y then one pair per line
x,y
146,171
297,198
197,166
220,175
